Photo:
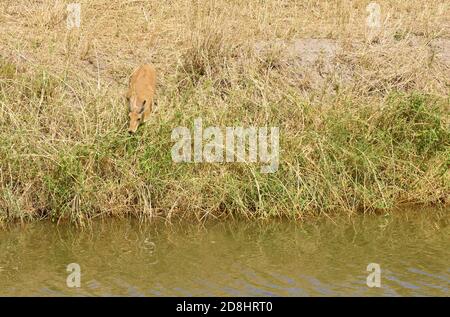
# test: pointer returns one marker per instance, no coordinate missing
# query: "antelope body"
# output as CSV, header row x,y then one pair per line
x,y
140,95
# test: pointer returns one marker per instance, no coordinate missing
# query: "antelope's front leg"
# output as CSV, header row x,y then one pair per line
x,y
147,112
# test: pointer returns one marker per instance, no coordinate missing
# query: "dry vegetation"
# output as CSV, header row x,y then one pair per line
x,y
364,125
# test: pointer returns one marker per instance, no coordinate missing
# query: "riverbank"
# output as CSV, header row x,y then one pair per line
x,y
363,126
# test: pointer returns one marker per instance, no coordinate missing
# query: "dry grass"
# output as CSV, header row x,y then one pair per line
x,y
364,125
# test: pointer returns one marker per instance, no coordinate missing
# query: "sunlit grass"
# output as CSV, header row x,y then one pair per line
x,y
362,130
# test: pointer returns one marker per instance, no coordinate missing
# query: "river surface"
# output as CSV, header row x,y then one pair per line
x,y
320,257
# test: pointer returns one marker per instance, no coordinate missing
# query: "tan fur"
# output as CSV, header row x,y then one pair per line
x,y
140,95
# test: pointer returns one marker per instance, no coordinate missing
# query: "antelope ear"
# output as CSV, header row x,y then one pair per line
x,y
142,109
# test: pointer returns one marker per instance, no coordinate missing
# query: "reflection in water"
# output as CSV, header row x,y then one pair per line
x,y
320,257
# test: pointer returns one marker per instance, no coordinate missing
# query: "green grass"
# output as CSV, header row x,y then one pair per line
x,y
363,126
341,156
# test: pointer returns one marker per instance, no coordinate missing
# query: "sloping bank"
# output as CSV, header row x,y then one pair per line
x,y
64,153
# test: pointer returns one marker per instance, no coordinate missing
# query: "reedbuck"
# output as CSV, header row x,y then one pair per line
x,y
140,95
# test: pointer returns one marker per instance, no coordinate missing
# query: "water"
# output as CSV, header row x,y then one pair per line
x,y
322,257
